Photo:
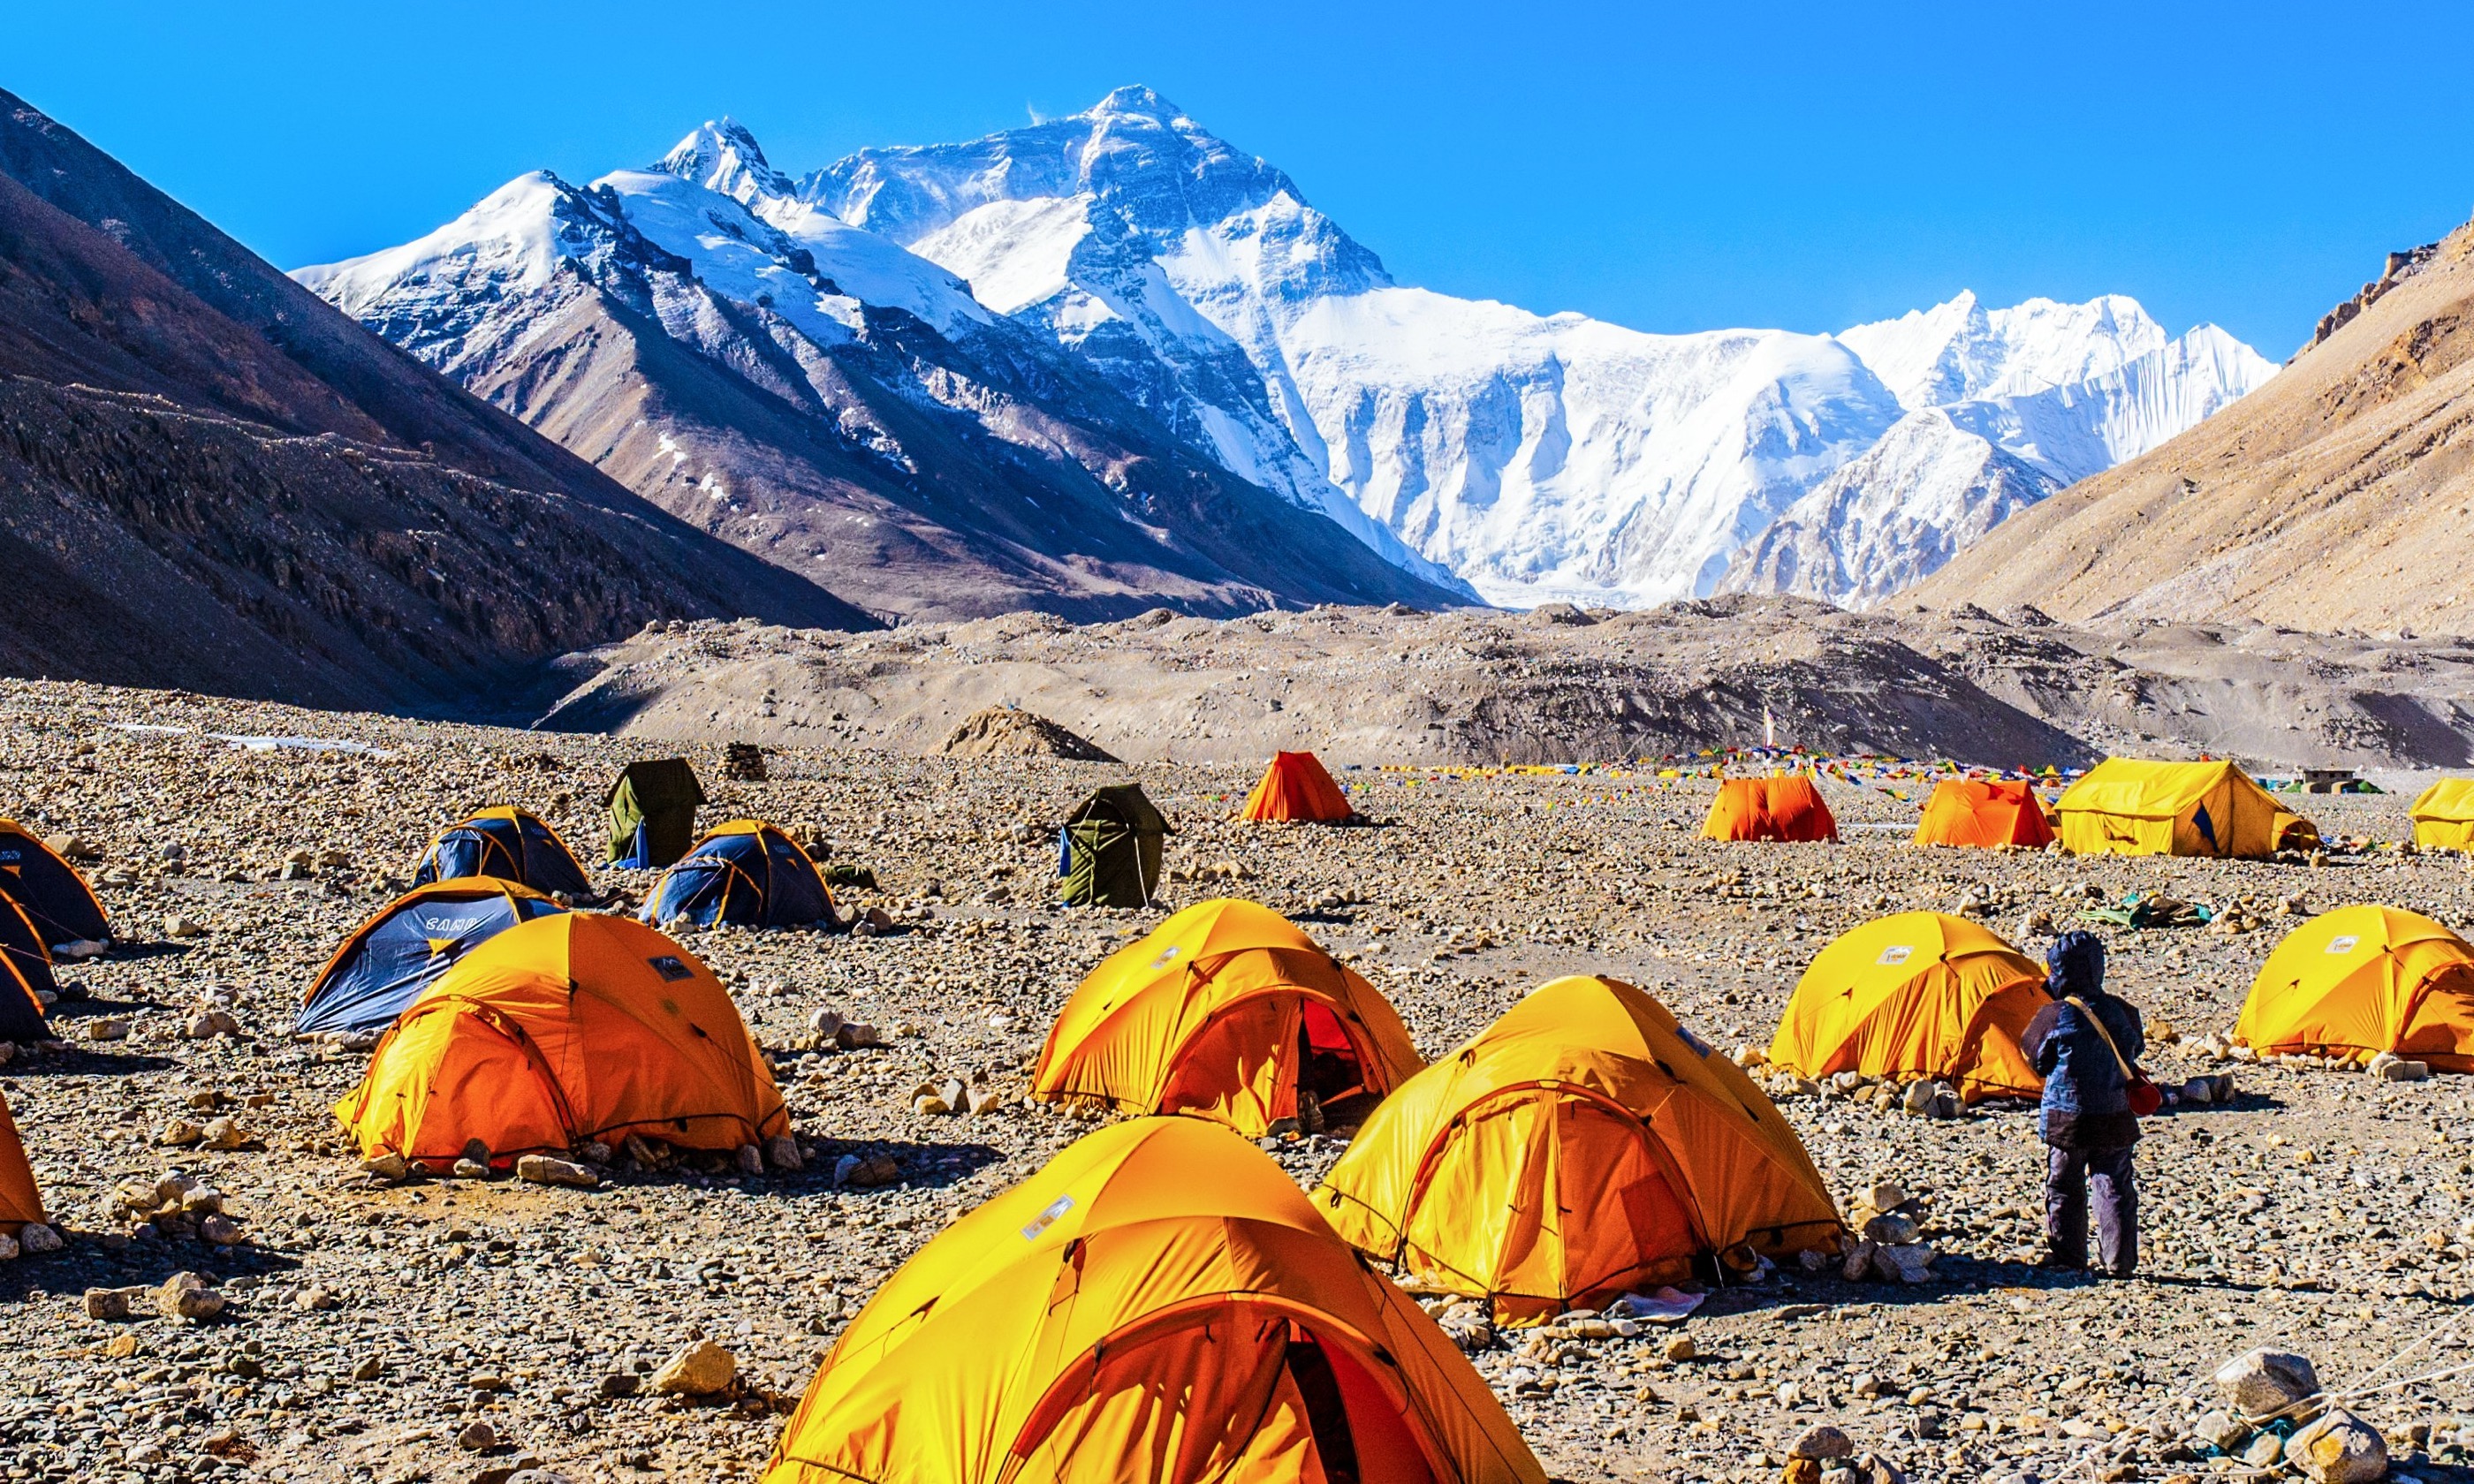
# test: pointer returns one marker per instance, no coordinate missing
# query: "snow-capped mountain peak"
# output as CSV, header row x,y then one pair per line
x,y
1960,349
1530,457
722,157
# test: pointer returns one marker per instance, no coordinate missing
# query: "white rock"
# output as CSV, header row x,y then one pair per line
x,y
2266,1380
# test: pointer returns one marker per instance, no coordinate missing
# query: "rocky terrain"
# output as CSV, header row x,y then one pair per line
x,y
1558,684
2334,498
210,479
455,1330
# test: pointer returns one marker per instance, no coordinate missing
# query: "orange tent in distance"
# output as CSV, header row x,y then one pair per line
x,y
1780,808
1296,787
1991,813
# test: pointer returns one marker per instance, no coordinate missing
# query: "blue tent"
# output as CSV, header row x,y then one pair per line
x,y
747,874
25,971
396,954
507,842
57,899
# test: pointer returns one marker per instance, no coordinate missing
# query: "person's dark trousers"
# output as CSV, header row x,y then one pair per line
x,y
2068,1173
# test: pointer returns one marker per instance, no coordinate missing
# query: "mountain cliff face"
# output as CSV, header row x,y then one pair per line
x,y
2333,498
210,479
817,394
1539,457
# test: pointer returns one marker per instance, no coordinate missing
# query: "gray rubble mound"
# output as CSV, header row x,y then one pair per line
x,y
1005,732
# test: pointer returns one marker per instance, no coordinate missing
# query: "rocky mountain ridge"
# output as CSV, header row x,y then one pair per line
x,y
2334,499
842,408
211,480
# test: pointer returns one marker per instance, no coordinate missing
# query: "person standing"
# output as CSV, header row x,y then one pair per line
x,y
2084,1042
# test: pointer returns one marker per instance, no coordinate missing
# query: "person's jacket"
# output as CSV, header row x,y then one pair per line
x,y
2087,1100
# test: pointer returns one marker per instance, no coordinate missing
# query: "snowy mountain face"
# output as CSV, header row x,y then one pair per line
x,y
1130,255
843,406
1538,457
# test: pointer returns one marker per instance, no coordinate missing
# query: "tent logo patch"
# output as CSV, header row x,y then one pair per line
x,y
670,968
1896,953
1168,955
2344,944
1047,1218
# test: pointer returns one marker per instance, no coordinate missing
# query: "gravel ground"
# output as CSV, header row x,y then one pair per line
x,y
370,1327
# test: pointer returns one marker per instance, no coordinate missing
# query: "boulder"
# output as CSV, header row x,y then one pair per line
x,y
2338,1448
701,1370
185,1296
2266,1380
542,1169
1822,1442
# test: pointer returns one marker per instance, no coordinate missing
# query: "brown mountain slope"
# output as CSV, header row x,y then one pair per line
x,y
2339,496
187,499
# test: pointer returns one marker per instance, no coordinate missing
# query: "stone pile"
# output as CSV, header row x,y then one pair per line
x,y
1886,1238
2275,1415
175,1205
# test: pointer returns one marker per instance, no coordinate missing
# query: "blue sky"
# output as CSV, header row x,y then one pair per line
x,y
1666,167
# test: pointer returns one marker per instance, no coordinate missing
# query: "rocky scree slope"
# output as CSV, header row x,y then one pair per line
x,y
210,479
1556,685
1539,457
2336,498
835,405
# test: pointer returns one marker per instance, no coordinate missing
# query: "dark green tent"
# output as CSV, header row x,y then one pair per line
x,y
652,813
1109,850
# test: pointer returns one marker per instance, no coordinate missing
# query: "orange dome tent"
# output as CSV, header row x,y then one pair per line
x,y
21,1203
1297,787
1987,812
1582,1145
2362,980
1780,808
1912,996
561,1031
1158,1303
1227,1011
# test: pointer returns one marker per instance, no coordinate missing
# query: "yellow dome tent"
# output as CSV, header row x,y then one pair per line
x,y
21,1203
1912,996
1227,1010
1159,1303
2129,807
1583,1144
558,1032
2443,815
2363,980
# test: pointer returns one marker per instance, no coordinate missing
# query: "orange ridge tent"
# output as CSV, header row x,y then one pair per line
x,y
2362,980
21,1203
1160,1303
1297,787
1986,812
1582,1145
559,1032
1227,1011
1912,996
1790,807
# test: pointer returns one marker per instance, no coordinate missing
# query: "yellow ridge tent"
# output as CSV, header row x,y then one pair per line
x,y
2129,807
2443,815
